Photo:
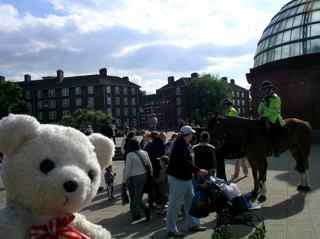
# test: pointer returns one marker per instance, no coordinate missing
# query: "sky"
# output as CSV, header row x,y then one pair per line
x,y
147,40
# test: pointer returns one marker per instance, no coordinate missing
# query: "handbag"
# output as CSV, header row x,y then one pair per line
x,y
150,180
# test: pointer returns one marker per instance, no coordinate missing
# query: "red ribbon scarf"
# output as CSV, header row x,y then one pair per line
x,y
58,228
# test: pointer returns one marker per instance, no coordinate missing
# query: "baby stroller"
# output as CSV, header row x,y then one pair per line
x,y
211,195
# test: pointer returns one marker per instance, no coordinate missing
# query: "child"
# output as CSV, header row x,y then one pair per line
x,y
109,176
162,182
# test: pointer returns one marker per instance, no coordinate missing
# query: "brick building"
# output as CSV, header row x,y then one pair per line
x,y
240,97
52,97
168,102
149,105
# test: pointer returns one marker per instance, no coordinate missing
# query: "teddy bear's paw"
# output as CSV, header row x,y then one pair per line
x,y
102,233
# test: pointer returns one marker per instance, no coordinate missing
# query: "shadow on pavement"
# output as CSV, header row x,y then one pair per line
x,y
285,209
120,227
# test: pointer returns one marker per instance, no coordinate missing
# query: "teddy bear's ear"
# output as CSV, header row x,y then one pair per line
x,y
104,148
15,130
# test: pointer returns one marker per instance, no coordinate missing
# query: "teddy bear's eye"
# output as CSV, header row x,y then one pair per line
x,y
91,174
46,166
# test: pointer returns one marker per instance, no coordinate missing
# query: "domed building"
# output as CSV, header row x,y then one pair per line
x,y
288,55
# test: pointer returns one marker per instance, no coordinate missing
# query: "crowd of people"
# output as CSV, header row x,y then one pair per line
x,y
164,169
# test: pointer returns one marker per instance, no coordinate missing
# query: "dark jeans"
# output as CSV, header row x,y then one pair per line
x,y
136,186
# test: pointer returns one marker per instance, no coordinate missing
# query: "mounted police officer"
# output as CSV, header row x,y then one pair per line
x,y
229,109
270,111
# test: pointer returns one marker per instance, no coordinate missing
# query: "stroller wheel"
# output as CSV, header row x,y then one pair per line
x,y
254,236
216,235
260,233
225,232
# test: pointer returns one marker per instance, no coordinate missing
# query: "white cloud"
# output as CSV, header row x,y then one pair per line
x,y
89,34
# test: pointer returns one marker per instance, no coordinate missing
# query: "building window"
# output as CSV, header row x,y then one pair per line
x,y
29,106
133,101
125,101
134,123
40,115
125,111
40,105
65,103
125,90
39,93
243,102
109,111
178,91
52,115
133,91
108,89
116,89
178,101
78,90
52,104
91,102
90,90
118,112
28,95
108,100
233,94
65,112
51,93
179,111
134,111
117,100
78,101
65,92
242,94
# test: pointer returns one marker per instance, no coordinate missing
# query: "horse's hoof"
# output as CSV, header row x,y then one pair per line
x,y
300,188
253,195
262,199
307,189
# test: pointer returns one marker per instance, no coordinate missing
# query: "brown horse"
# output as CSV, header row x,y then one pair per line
x,y
238,137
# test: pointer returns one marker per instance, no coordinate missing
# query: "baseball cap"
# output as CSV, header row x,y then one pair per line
x,y
185,130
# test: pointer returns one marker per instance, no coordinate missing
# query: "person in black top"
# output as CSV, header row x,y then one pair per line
x,y
180,172
204,154
156,149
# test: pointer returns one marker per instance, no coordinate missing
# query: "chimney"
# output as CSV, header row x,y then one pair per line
x,y
224,79
194,75
27,78
232,82
126,78
60,75
2,78
103,72
170,80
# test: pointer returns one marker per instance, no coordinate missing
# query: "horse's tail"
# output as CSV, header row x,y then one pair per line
x,y
302,144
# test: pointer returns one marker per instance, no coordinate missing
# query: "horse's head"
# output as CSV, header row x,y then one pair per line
x,y
217,130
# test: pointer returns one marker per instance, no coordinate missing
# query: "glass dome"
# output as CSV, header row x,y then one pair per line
x,y
294,31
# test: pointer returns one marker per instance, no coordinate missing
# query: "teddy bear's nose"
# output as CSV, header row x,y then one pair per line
x,y
70,186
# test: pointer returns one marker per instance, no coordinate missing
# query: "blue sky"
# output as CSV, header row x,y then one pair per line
x,y
147,40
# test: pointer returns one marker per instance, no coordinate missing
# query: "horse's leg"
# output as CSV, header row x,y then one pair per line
x,y
301,169
254,169
221,167
263,168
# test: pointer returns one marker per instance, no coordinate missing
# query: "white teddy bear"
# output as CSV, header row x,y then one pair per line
x,y
50,172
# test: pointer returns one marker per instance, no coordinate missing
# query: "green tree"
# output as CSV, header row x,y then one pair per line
x,y
11,98
81,118
204,95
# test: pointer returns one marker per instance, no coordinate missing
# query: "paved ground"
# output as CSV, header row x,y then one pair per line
x,y
288,214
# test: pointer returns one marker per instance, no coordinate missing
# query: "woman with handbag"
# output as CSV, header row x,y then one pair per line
x,y
137,170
